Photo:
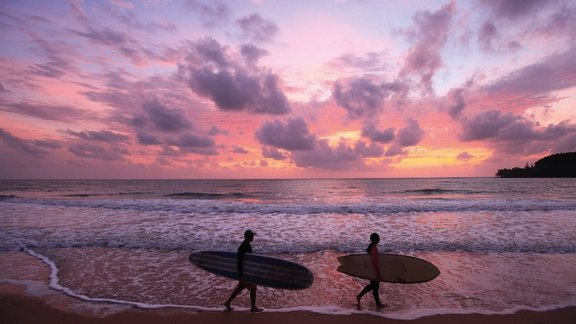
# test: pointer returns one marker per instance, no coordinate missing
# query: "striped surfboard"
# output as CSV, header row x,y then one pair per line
x,y
258,269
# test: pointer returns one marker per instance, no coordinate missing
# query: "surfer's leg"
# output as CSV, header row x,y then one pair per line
x,y
363,292
235,293
252,288
375,286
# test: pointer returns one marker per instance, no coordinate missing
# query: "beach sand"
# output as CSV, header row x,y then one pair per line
x,y
25,297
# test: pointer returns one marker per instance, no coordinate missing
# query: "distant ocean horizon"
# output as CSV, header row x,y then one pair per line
x,y
500,244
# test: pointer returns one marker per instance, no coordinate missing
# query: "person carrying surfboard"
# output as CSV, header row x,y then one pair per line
x,y
244,248
374,284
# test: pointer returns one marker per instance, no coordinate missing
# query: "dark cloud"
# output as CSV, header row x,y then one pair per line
x,y
567,144
22,145
375,135
212,73
162,118
147,139
410,135
394,150
499,127
342,156
59,113
252,53
486,125
430,32
212,12
368,62
464,156
373,150
103,136
272,153
48,144
487,35
362,97
456,103
256,28
514,9
215,130
239,150
292,136
98,152
189,140
553,73
323,156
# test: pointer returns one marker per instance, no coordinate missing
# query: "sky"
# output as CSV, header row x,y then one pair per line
x,y
215,89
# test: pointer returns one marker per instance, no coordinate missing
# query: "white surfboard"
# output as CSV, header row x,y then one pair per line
x,y
394,268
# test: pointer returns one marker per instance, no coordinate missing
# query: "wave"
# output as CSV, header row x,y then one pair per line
x,y
200,203
427,191
204,195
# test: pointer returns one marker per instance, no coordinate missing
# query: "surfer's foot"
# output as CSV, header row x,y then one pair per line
x,y
228,307
380,306
255,310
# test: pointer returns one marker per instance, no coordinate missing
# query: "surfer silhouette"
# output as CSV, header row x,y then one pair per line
x,y
244,248
374,284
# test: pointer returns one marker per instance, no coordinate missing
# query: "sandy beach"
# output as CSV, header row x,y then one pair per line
x,y
16,308
25,297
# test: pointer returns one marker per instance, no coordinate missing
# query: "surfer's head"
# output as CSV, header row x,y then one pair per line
x,y
374,238
248,234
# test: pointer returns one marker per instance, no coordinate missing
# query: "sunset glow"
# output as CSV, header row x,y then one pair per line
x,y
283,89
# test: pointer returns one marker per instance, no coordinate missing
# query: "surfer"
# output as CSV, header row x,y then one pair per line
x,y
374,284
244,248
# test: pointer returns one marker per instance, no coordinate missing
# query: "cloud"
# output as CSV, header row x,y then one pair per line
x,y
513,9
22,145
410,135
162,118
257,29
512,132
455,102
59,113
272,153
394,150
212,12
363,97
430,32
98,152
464,156
375,135
292,136
213,73
103,136
147,139
252,53
369,62
193,140
323,156
553,73
373,150
239,150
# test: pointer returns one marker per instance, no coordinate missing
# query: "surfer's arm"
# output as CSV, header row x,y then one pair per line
x,y
241,265
374,259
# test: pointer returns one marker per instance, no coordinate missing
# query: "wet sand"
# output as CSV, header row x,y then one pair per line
x,y
15,308
25,297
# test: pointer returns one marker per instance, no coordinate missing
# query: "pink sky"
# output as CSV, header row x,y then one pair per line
x,y
283,89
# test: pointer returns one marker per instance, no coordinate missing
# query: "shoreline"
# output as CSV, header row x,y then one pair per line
x,y
26,297
16,307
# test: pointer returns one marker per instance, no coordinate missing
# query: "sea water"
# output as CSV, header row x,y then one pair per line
x,y
501,244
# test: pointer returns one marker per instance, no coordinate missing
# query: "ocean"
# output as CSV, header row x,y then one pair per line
x,y
501,244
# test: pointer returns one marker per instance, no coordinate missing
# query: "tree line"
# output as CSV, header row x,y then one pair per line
x,y
560,165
